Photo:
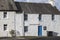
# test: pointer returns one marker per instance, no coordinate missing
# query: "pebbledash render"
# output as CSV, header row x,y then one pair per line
x,y
28,19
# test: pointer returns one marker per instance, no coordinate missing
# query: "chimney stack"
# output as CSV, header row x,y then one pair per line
x,y
52,2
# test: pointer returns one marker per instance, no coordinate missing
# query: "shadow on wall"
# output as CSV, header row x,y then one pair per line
x,y
17,32
51,33
55,33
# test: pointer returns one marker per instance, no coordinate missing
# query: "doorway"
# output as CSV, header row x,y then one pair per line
x,y
39,30
50,33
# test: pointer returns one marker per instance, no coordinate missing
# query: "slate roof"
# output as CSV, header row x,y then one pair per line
x,y
42,8
7,5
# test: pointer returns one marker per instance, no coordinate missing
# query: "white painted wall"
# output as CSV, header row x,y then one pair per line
x,y
51,25
46,21
16,21
33,19
19,24
33,24
57,24
9,21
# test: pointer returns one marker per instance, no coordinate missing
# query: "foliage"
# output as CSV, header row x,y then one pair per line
x,y
12,32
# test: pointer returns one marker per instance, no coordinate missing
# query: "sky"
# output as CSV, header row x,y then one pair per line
x,y
57,2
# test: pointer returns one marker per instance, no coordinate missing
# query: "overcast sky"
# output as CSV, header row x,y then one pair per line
x,y
57,2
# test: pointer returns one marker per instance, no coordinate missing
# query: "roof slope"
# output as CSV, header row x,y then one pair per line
x,y
42,8
7,5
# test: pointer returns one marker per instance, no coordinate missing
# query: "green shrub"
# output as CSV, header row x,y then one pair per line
x,y
12,32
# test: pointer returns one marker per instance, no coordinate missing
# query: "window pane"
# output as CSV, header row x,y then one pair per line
x,y
25,17
5,14
5,27
39,16
52,16
25,28
44,28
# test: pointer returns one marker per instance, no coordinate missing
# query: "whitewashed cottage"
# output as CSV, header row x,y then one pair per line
x,y
40,19
7,17
28,19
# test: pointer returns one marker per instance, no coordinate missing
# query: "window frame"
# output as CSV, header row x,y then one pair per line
x,y
5,15
25,17
40,16
25,28
53,17
44,28
5,27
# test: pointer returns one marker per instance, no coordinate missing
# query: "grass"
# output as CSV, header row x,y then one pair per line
x,y
28,37
31,38
34,37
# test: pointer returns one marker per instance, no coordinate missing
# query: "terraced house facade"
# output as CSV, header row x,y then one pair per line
x,y
28,19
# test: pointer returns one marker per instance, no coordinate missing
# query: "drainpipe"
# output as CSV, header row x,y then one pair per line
x,y
15,23
23,24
